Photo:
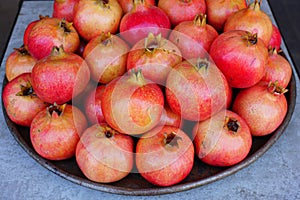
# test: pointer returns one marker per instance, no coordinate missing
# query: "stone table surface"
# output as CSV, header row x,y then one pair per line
x,y
275,175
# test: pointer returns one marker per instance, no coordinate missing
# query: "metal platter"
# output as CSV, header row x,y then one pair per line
x,y
134,184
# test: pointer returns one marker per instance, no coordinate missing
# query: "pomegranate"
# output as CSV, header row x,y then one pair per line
x,y
127,5
92,106
193,38
97,16
19,100
182,10
278,69
29,28
131,104
60,76
142,20
267,104
50,32
55,131
251,19
276,38
104,155
155,56
18,62
219,10
164,155
196,89
64,9
222,140
248,52
106,56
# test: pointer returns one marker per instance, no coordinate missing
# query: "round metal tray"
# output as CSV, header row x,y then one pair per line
x,y
134,184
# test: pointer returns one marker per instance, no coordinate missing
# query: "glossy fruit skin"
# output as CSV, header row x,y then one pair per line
x,y
92,106
106,56
249,59
219,10
251,19
60,77
55,135
64,9
127,5
154,61
276,38
104,159
96,16
193,38
18,62
21,108
164,164
277,69
182,10
217,145
197,89
268,109
131,104
142,20
50,32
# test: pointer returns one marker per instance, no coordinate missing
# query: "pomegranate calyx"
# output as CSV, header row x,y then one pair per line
x,y
200,20
66,26
136,76
201,64
171,139
185,1
26,90
106,39
55,110
22,51
152,42
231,124
57,51
255,5
105,130
276,89
250,38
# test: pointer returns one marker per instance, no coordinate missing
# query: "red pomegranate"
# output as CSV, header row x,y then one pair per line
x,y
196,89
182,10
60,77
142,20
278,69
155,57
164,155
56,130
18,62
193,38
95,17
127,5
222,140
219,10
50,32
132,104
267,104
251,19
106,56
241,56
64,9
276,38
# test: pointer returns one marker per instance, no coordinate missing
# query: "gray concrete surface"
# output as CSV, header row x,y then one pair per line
x,y
275,175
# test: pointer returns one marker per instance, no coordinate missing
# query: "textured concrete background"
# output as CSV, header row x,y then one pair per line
x,y
275,175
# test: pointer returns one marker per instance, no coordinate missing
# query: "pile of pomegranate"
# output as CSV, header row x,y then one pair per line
x,y
146,85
